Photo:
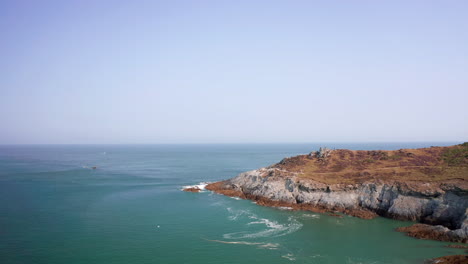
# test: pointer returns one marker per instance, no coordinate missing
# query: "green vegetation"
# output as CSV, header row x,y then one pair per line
x,y
457,156
395,157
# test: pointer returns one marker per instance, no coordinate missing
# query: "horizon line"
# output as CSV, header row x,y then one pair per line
x,y
242,143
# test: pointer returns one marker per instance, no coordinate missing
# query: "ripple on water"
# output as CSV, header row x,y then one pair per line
x,y
257,244
312,216
289,256
269,228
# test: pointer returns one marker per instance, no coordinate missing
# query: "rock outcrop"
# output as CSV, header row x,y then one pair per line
x,y
442,204
437,232
192,189
454,259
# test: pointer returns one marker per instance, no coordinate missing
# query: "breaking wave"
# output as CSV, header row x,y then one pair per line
x,y
200,186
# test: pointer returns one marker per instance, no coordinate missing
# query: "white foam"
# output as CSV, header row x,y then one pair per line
x,y
268,223
284,208
273,229
289,256
271,246
313,216
200,186
236,214
235,198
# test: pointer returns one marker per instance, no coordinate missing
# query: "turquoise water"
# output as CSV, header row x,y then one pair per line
x,y
55,209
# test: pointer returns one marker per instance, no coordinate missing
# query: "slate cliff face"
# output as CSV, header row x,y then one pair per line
x,y
440,203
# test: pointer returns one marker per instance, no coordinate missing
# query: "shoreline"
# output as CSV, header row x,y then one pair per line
x,y
418,230
263,201
428,186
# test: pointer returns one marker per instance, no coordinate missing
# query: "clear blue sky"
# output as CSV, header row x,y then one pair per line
x,y
233,71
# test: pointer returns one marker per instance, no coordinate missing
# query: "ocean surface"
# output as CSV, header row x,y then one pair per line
x,y
54,208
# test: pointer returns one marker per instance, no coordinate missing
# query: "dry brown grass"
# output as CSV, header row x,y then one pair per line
x,y
351,166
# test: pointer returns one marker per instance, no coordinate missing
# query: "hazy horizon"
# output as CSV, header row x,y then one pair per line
x,y
321,143
221,72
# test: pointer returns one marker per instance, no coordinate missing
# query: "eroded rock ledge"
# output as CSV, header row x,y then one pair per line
x,y
441,204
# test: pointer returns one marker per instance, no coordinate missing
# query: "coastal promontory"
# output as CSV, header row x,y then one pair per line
x,y
427,185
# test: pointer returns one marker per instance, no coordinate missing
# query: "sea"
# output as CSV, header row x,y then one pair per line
x,y
56,208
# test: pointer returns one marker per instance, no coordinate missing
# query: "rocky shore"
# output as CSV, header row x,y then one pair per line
x,y
417,185
454,259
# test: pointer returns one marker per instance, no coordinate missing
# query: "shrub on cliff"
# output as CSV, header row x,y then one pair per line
x,y
457,156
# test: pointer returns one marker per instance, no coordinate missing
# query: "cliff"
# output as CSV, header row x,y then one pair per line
x,y
427,185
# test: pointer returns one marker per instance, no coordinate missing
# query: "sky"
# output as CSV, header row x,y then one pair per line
x,y
112,72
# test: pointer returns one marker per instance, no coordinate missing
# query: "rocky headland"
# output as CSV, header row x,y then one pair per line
x,y
428,185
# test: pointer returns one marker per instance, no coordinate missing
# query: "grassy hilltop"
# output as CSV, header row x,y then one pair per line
x,y
355,166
